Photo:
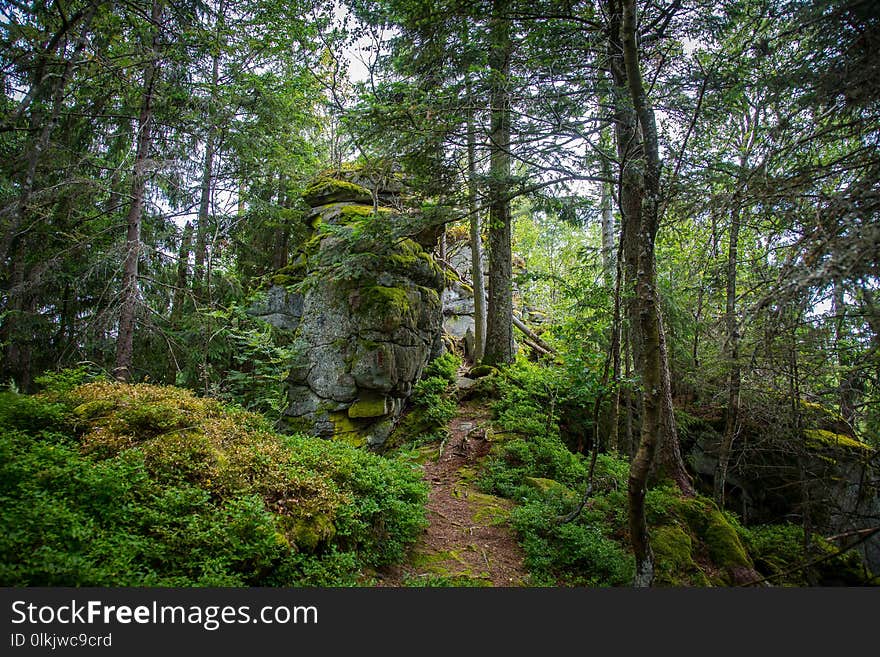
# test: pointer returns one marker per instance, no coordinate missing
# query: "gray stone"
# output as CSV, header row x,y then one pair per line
x,y
366,338
279,307
464,383
458,325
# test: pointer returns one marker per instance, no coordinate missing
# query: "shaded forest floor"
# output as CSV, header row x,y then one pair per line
x,y
468,541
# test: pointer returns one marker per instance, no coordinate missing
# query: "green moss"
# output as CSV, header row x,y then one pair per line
x,y
722,542
716,537
360,211
479,371
821,439
94,408
446,566
327,186
551,487
673,551
391,304
308,532
347,430
488,509
369,405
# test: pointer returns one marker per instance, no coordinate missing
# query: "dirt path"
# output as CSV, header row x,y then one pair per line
x,y
468,541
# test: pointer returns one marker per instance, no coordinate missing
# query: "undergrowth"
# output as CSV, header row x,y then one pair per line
x,y
107,484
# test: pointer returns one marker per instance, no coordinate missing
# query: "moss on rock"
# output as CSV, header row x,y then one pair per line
x,y
821,439
328,189
673,551
369,406
347,430
551,487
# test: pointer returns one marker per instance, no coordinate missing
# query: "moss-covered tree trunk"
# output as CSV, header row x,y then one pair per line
x,y
641,220
499,320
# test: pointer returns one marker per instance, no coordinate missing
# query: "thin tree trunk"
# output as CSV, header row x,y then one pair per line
x,y
733,384
476,238
499,324
650,365
129,292
180,288
844,377
201,250
669,459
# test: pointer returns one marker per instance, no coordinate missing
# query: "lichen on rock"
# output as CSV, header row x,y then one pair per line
x,y
370,317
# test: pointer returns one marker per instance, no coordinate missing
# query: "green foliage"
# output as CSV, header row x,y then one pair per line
x,y
155,487
64,380
780,553
444,367
579,553
237,358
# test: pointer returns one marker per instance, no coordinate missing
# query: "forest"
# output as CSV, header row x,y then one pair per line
x,y
557,293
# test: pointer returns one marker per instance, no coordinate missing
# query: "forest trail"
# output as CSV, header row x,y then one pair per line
x,y
468,541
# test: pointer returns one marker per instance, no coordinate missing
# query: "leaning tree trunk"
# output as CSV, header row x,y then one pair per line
x,y
129,293
649,362
499,320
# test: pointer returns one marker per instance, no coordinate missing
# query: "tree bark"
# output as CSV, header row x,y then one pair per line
x,y
645,316
201,250
129,293
734,382
499,324
180,288
476,236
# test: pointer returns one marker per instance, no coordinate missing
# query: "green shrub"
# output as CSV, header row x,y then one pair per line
x,y
578,553
444,367
156,487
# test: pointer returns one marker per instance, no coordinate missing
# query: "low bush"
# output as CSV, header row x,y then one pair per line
x,y
107,484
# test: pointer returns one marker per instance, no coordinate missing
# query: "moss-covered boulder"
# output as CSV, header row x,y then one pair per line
x,y
371,315
787,466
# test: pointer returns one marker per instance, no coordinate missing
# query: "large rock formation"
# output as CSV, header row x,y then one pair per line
x,y
778,473
367,313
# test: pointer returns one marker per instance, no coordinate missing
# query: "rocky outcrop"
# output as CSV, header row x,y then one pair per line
x,y
367,318
779,474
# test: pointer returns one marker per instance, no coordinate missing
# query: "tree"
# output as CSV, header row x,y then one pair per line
x,y
129,292
499,322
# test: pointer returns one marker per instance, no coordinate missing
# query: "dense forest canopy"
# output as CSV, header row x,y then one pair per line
x,y
672,207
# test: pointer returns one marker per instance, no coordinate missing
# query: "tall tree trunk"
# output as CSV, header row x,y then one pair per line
x,y
649,363
613,419
21,303
201,250
203,218
476,237
733,383
129,292
607,219
844,377
499,320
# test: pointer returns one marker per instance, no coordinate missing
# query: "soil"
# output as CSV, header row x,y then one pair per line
x,y
467,542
